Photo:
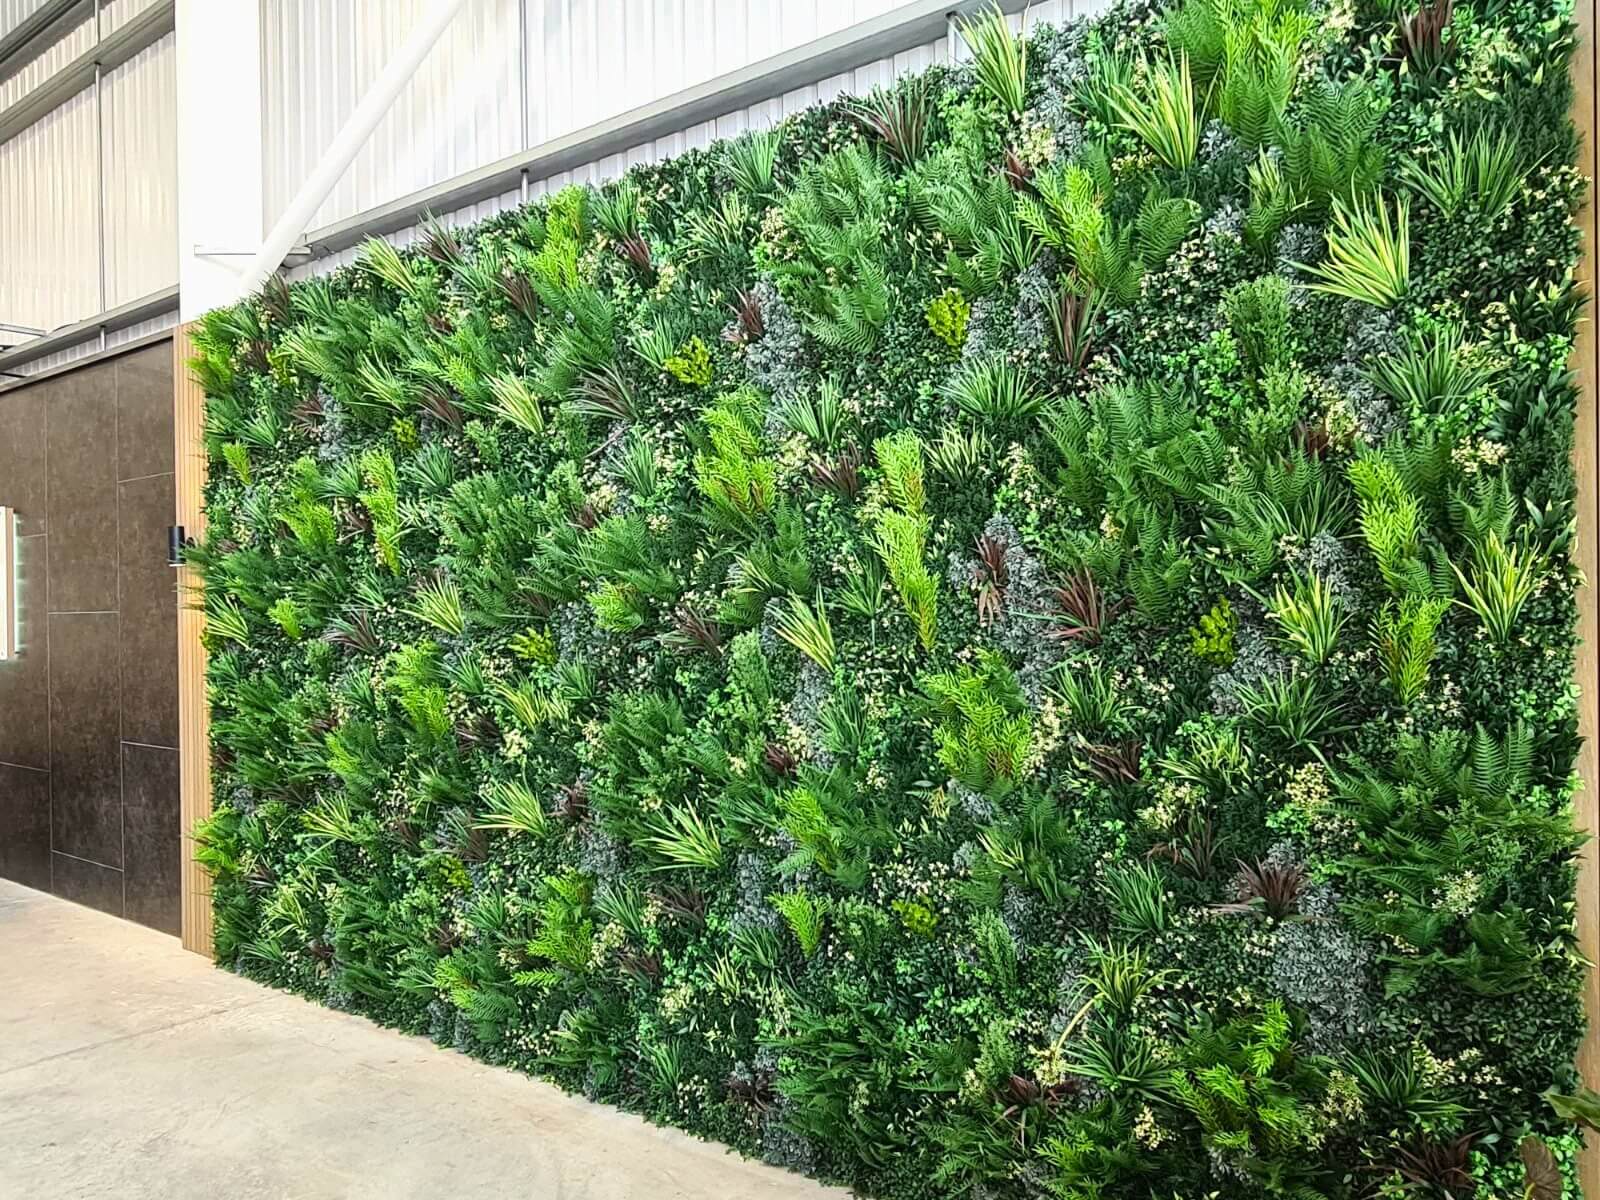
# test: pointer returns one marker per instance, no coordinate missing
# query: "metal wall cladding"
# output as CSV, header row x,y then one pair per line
x,y
50,207
857,82
34,73
113,14
115,339
141,164
590,59
585,61
14,12
49,219
458,112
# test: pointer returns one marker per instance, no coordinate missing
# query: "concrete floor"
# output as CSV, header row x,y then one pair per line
x,y
130,1068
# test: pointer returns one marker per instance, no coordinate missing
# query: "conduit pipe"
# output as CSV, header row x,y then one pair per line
x,y
289,227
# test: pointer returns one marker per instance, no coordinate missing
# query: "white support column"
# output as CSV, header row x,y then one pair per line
x,y
219,147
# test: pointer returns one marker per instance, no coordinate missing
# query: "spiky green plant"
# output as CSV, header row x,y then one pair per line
x,y
638,467
1165,116
1434,372
287,616
512,806
898,117
1296,709
1483,169
995,391
818,416
516,402
680,839
751,161
805,916
805,627
1138,898
237,456
379,258
960,453
439,604
1498,583
1092,699
657,342
1369,253
1311,615
999,58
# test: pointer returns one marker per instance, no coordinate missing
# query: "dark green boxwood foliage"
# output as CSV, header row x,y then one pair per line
x,y
1010,638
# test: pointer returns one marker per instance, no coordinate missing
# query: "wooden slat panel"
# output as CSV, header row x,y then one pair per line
x,y
1586,463
194,715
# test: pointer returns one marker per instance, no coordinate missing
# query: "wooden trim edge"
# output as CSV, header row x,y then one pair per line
x,y
194,713
1586,468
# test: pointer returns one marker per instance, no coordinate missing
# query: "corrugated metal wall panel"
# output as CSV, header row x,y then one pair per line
x,y
590,59
703,134
459,111
587,60
113,14
116,13
141,163
115,338
48,216
733,124
15,12
80,41
857,82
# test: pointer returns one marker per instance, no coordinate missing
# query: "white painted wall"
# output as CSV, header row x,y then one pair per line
x,y
218,174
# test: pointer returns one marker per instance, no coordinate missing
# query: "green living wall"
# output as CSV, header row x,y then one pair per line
x,y
1012,637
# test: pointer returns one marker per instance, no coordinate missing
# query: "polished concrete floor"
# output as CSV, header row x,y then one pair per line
x,y
132,1069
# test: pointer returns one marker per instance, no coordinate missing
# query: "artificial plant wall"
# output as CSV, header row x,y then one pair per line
x,y
1011,637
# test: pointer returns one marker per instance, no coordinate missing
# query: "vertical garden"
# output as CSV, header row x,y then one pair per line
x,y
1009,637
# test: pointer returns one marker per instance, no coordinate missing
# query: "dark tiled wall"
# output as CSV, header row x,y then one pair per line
x,y
89,711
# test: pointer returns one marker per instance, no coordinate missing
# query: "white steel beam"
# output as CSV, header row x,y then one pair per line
x,y
291,226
